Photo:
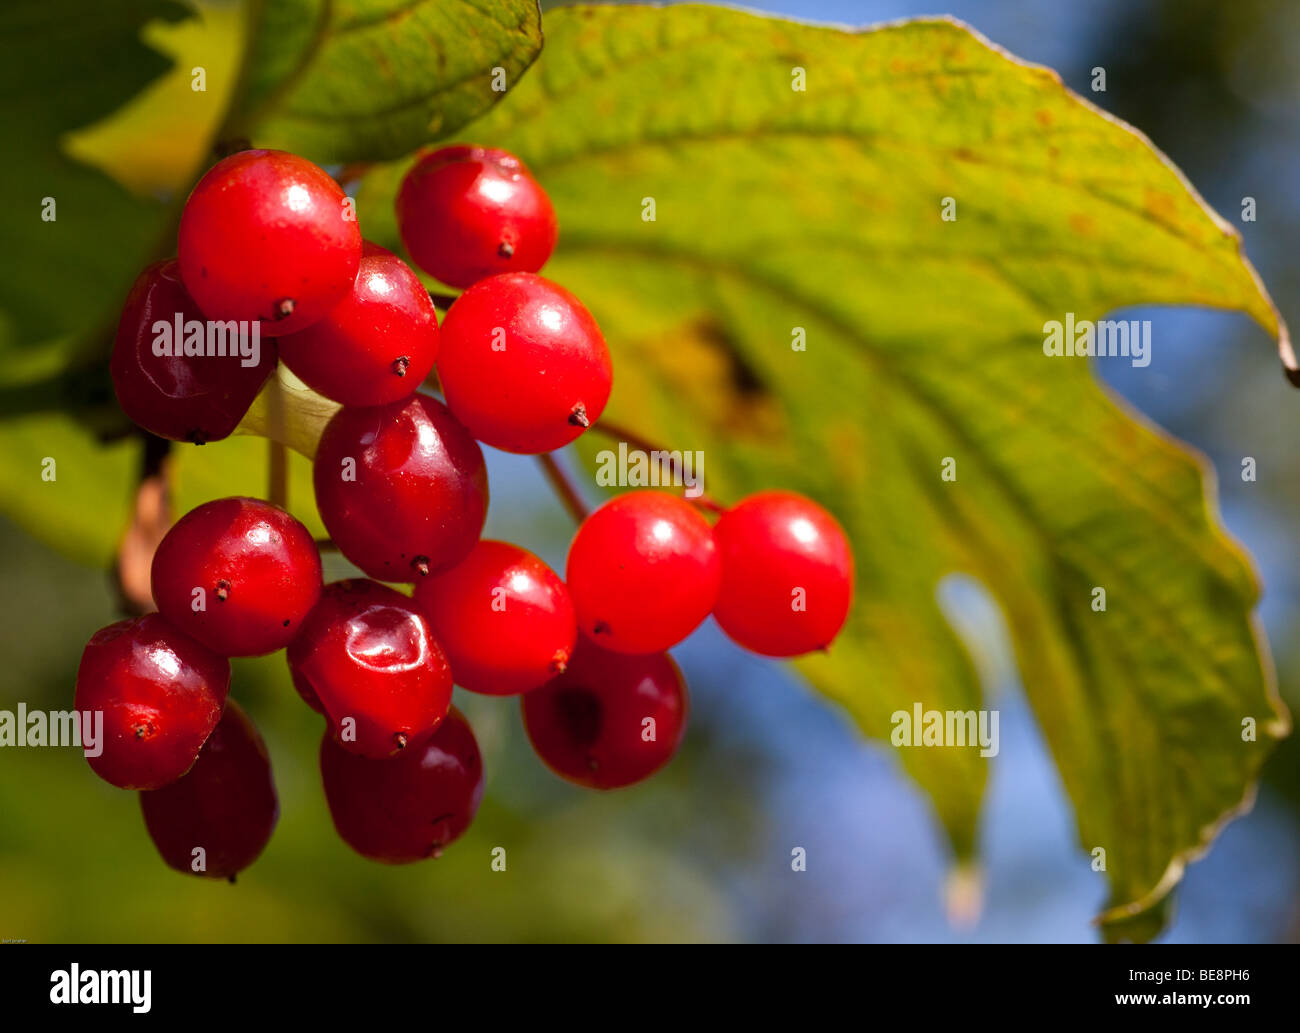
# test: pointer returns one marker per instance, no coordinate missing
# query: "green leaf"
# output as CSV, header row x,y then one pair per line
x,y
63,65
366,80
778,209
66,488
82,503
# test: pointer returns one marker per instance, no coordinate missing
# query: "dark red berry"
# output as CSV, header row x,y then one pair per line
x,y
267,235
503,618
160,692
408,808
469,212
369,657
196,397
787,574
216,820
609,720
643,572
238,574
402,488
522,363
376,345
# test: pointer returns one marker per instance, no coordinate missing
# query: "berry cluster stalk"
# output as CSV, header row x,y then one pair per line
x,y
564,488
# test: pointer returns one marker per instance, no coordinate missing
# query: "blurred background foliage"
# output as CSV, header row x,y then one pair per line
x,y
702,852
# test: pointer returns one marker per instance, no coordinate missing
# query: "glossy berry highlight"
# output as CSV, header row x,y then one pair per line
x,y
367,654
194,398
375,346
402,488
216,819
239,575
609,720
267,235
503,617
409,808
523,364
466,213
161,694
643,571
787,574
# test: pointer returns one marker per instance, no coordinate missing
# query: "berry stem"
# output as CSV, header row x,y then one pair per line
x,y
564,488
233,145
442,301
617,432
326,545
353,172
277,491
150,520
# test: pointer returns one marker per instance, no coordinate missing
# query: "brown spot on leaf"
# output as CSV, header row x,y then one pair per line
x,y
1081,224
1160,204
710,375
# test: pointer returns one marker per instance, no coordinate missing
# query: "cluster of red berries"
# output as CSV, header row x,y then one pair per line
x,y
271,239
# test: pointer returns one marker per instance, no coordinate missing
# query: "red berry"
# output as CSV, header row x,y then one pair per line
x,y
369,657
787,574
503,617
268,236
161,694
469,212
610,719
522,363
196,398
376,345
402,488
643,572
408,808
238,574
225,806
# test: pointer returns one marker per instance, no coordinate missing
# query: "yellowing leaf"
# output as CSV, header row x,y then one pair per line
x,y
782,215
